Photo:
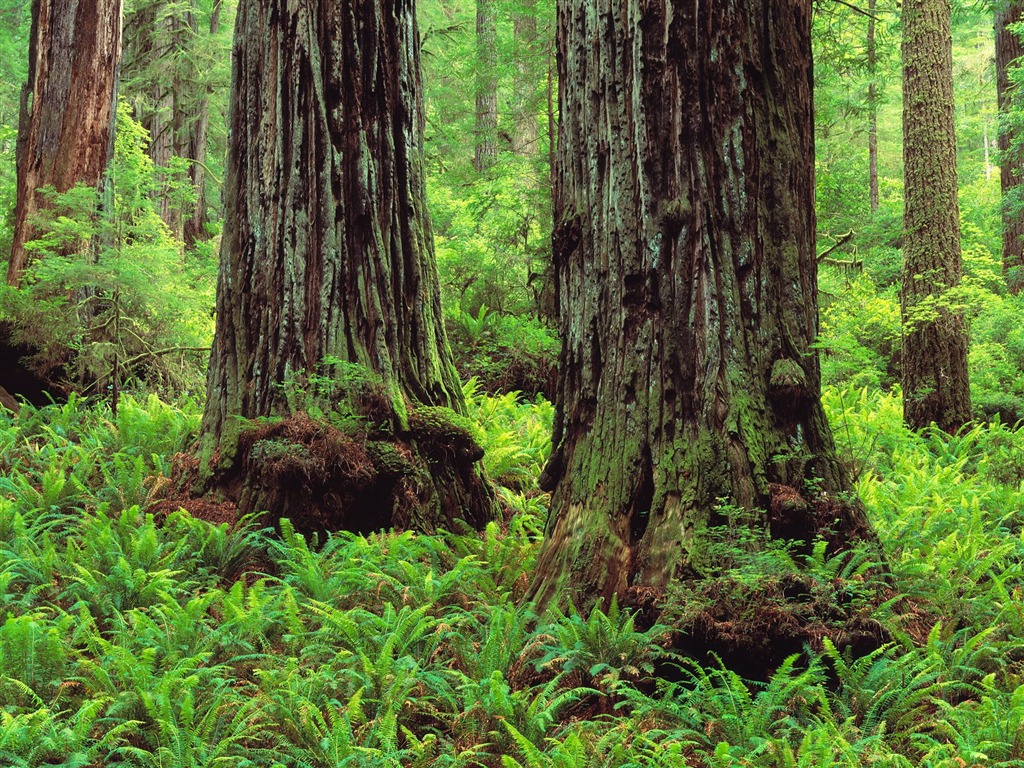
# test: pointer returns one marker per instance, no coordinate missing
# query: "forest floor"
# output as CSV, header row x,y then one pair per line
x,y
133,634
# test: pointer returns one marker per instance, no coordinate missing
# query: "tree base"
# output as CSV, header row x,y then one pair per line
x,y
754,628
754,594
324,479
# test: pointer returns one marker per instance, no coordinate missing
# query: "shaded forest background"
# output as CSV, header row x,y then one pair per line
x,y
492,216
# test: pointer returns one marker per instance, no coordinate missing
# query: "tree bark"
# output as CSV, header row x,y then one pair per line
x,y
872,110
327,248
195,225
935,382
486,151
67,107
685,259
1011,164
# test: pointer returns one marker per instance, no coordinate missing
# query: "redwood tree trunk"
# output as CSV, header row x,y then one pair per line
x,y
327,248
1008,50
685,257
67,107
486,152
935,383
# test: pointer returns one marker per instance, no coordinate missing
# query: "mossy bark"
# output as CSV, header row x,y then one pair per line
x,y
66,125
935,382
327,247
1011,164
686,275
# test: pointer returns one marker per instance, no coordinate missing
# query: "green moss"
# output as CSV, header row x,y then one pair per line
x,y
440,424
273,450
786,372
388,460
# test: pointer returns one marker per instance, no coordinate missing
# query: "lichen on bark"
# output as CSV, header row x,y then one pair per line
x,y
327,251
686,278
934,364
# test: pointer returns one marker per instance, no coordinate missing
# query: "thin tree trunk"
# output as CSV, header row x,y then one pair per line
x,y
552,115
195,225
173,104
935,382
686,276
1011,164
67,107
525,86
872,110
486,152
327,249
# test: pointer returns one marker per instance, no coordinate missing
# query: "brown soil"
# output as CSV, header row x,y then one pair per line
x,y
201,509
176,494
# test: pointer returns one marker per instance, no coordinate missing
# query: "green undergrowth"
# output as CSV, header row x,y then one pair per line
x,y
128,639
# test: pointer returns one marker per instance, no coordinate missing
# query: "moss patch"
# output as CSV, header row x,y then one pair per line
x,y
444,434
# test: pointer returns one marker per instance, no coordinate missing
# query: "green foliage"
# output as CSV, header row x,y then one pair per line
x,y
515,435
129,639
109,297
503,353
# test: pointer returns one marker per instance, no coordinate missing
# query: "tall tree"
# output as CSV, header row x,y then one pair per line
x,y
195,225
327,249
524,25
935,382
67,107
872,109
1008,50
170,83
686,276
486,85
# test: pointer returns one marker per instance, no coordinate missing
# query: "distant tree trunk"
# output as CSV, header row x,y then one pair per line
x,y
486,153
686,275
67,107
872,110
327,248
524,25
552,114
935,383
159,36
195,225
1011,165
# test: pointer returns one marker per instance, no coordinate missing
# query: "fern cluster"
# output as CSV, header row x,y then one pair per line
x,y
132,640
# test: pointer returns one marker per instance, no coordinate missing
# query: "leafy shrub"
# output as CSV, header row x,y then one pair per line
x,y
109,294
860,334
504,353
128,639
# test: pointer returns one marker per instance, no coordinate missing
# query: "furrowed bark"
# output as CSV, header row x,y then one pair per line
x,y
327,248
686,275
1011,165
935,381
67,108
